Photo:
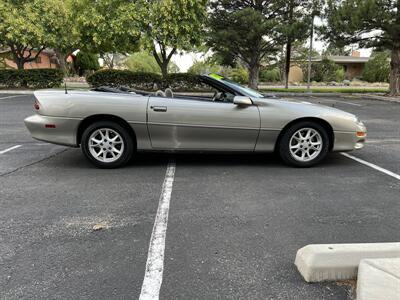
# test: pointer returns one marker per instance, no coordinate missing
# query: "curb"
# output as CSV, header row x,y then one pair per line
x,y
332,262
379,279
381,98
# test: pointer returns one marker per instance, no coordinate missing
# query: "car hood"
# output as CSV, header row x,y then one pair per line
x,y
304,107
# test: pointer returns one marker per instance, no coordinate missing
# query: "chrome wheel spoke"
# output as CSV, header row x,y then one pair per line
x,y
106,145
305,144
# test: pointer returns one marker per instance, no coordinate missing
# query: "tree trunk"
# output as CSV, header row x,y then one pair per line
x,y
254,71
164,69
287,63
394,87
20,62
61,57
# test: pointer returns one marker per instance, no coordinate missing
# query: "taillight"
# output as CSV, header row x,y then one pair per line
x,y
36,105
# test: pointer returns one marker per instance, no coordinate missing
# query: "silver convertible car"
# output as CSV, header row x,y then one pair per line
x,y
111,124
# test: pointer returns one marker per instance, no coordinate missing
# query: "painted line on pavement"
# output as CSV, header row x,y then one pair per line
x,y
155,259
378,168
382,141
340,101
8,97
10,149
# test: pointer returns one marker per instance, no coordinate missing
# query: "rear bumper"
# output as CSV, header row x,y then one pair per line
x,y
59,130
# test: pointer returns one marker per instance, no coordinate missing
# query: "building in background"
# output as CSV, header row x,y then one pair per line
x,y
353,66
45,60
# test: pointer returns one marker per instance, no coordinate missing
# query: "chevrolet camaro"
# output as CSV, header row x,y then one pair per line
x,y
111,124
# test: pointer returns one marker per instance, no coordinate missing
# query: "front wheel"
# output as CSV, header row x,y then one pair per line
x,y
304,144
107,145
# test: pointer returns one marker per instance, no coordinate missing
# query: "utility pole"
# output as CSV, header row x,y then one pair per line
x,y
310,53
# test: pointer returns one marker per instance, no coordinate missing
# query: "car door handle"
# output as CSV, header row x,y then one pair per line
x,y
159,108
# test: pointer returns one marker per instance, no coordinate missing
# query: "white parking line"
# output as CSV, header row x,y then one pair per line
x,y
155,258
8,97
10,149
340,101
380,169
382,141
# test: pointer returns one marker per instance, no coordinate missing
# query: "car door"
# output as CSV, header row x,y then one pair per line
x,y
187,124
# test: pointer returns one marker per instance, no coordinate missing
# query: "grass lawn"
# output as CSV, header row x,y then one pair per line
x,y
350,90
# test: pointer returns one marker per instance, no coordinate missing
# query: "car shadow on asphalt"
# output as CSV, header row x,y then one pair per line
x,y
269,160
75,159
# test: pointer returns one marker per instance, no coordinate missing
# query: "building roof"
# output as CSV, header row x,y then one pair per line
x,y
344,59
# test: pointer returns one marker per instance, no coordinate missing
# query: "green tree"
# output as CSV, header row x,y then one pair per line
x,y
377,69
204,67
86,62
107,27
169,26
295,27
145,62
245,31
333,49
326,70
369,23
28,27
270,75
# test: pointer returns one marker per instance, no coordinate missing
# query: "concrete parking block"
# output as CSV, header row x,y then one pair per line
x,y
379,279
339,261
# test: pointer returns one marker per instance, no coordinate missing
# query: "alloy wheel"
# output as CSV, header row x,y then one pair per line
x,y
305,144
106,145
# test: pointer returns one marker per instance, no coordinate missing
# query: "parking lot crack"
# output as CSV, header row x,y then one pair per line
x,y
33,163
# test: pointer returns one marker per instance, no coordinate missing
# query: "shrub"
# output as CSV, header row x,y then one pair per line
x,y
377,69
145,81
142,62
145,62
118,78
340,75
204,67
326,70
31,78
270,75
183,82
239,75
86,62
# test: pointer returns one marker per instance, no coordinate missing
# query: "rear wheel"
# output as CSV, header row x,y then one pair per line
x,y
304,144
107,144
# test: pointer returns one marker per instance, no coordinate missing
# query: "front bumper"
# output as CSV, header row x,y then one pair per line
x,y
348,141
56,130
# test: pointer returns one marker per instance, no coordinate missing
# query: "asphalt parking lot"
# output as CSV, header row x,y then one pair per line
x,y
235,221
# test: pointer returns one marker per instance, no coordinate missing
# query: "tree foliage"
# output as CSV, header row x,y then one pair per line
x,y
145,62
28,27
377,69
326,71
295,26
245,30
170,25
368,23
107,26
86,61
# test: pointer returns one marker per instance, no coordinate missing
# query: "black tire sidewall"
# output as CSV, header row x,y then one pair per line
x,y
126,137
284,150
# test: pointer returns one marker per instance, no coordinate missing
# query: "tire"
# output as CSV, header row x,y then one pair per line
x,y
298,149
107,145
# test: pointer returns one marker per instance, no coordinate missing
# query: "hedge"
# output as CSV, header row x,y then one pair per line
x,y
145,81
118,78
31,78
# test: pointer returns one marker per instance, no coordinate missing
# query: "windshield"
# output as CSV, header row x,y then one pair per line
x,y
245,90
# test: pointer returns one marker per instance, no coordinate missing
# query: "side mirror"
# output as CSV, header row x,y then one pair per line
x,y
242,101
